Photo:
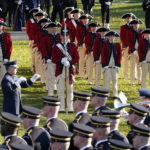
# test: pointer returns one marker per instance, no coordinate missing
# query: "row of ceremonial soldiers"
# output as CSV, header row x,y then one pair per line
x,y
54,54
98,131
93,46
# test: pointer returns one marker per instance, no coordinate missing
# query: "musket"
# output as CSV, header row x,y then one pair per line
x,y
65,29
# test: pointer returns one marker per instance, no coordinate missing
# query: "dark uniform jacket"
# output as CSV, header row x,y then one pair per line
x,y
103,1
38,138
102,145
69,3
117,136
11,139
88,2
145,148
53,123
12,102
88,148
98,111
130,136
57,3
30,4
82,118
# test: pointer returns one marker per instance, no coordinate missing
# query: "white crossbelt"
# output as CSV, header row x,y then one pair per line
x,y
64,51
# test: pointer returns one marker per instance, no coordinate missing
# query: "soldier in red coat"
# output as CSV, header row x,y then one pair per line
x,y
47,44
30,26
35,28
67,16
73,24
5,48
30,22
133,37
111,61
65,55
38,54
123,37
97,50
89,41
144,55
80,34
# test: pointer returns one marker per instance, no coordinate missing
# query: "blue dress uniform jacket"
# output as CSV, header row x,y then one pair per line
x,y
102,146
117,136
32,4
38,138
98,111
145,148
12,102
12,139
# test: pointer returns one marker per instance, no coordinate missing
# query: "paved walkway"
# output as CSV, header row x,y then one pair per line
x,y
19,36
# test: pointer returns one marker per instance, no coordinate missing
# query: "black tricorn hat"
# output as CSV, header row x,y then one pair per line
x,y
76,11
93,24
128,15
146,31
135,21
103,29
112,33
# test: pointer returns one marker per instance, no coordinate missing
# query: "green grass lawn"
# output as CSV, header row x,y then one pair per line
x,y
32,96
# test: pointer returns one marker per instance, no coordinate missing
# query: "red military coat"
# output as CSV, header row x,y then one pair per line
x,y
38,37
34,29
89,41
97,47
123,34
65,21
80,34
29,24
72,29
106,54
57,55
131,40
6,42
47,43
143,49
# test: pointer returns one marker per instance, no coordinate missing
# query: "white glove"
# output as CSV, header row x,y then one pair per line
x,y
35,77
19,80
49,61
135,52
63,60
67,64
105,67
5,60
20,2
97,62
108,3
117,67
27,8
144,61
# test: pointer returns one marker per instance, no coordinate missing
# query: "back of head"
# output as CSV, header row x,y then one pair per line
x,y
7,129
